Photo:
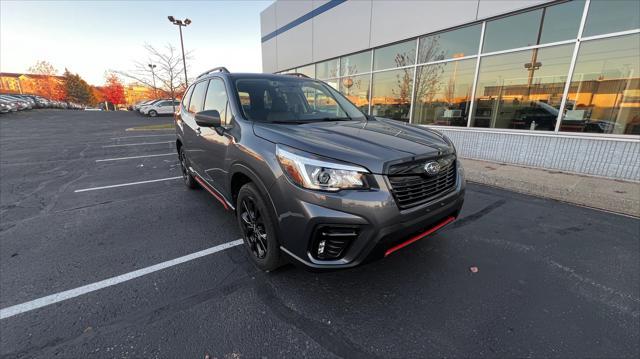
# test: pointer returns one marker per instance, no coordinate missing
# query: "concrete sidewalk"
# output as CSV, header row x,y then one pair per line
x,y
606,194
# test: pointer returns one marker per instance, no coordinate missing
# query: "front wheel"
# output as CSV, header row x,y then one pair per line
x,y
258,229
153,113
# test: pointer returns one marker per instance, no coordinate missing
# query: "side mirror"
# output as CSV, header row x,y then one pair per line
x,y
208,118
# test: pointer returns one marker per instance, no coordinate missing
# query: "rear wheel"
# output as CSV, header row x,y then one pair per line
x,y
258,229
187,178
153,113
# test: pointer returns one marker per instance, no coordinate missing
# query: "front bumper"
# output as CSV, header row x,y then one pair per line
x,y
381,224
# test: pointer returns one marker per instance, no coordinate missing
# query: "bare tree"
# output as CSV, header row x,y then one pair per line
x,y
168,71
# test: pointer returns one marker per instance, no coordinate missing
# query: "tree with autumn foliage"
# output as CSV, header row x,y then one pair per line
x,y
77,89
113,90
46,82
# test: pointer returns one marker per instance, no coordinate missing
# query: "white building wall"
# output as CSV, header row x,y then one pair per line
x,y
357,25
341,30
397,20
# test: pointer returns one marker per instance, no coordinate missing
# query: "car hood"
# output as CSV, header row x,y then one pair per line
x,y
370,144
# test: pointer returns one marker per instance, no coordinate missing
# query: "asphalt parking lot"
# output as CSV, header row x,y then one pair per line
x,y
553,280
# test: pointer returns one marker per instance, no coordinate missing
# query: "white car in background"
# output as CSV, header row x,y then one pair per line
x,y
164,107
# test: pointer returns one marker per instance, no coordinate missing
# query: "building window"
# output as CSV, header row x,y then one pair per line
x,y
612,16
443,93
534,27
521,90
356,89
327,69
604,96
309,70
397,55
391,97
451,44
355,64
561,22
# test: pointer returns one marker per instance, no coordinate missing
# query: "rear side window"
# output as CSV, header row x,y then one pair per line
x,y
197,99
187,97
217,100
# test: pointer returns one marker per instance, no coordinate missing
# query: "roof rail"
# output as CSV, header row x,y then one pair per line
x,y
220,69
297,74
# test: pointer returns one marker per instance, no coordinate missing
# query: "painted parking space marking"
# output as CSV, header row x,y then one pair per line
x,y
139,136
76,292
138,144
134,157
126,184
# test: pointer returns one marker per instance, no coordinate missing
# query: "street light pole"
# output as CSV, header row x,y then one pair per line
x,y
153,76
180,24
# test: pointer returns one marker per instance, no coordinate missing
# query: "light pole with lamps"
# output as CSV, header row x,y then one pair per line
x,y
180,24
153,76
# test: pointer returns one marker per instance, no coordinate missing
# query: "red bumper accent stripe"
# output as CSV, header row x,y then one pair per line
x,y
419,236
212,191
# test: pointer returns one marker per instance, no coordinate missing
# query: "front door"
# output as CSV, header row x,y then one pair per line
x,y
214,146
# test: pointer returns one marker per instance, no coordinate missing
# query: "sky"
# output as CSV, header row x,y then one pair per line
x,y
92,37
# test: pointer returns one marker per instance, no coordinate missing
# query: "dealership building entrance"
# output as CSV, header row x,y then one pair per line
x,y
548,84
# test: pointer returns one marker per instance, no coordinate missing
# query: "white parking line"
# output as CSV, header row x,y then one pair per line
x,y
133,157
125,137
126,184
138,144
76,292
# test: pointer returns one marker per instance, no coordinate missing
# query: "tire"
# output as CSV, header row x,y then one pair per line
x,y
153,113
258,229
187,177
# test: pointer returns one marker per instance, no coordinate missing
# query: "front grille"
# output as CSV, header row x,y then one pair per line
x,y
412,188
330,242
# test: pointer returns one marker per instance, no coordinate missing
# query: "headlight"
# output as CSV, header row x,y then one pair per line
x,y
313,172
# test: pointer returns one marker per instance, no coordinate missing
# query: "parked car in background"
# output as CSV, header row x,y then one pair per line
x,y
150,103
19,103
165,107
4,107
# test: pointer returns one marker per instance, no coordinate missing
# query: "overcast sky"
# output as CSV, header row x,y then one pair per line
x,y
90,37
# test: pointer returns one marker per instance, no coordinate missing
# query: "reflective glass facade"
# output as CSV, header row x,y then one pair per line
x,y
558,67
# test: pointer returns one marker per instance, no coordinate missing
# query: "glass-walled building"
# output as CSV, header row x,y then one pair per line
x,y
566,73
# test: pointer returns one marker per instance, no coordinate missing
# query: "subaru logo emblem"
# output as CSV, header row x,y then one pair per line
x,y
432,168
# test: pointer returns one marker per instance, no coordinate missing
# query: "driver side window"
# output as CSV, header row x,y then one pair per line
x,y
217,100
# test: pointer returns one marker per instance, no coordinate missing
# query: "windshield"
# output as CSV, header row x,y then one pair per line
x,y
293,101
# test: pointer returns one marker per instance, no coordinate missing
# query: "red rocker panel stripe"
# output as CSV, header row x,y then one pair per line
x,y
213,193
419,236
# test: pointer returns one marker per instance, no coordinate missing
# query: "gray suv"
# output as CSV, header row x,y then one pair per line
x,y
310,177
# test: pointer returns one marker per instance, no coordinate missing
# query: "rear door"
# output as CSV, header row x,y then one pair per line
x,y
193,145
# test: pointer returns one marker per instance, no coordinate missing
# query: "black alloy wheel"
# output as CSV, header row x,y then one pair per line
x,y
253,227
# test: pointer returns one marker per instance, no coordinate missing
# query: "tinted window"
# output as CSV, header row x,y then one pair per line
x,y
217,99
356,89
187,97
551,24
522,90
604,96
355,64
327,69
392,94
612,16
197,99
561,22
443,93
452,44
513,31
397,55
